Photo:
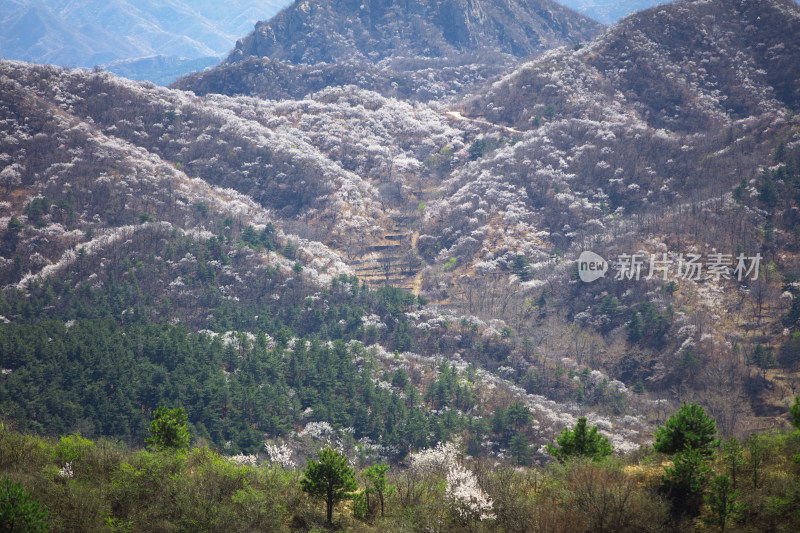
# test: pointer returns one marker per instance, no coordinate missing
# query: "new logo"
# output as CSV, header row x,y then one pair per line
x,y
591,266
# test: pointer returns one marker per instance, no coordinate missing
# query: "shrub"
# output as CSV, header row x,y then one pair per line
x,y
580,442
18,512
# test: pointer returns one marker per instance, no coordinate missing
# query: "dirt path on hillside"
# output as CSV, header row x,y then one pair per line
x,y
458,116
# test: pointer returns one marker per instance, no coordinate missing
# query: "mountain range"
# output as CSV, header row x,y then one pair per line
x,y
120,33
324,163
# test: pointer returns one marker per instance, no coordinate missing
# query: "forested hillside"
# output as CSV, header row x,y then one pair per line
x,y
398,267
591,157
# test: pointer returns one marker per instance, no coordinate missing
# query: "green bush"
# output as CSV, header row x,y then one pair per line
x,y
580,442
73,448
19,513
168,429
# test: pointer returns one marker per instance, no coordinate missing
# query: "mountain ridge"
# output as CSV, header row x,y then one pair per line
x,y
387,40
433,29
87,34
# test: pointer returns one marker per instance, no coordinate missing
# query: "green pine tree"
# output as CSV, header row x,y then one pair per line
x,y
795,412
689,428
580,442
330,478
686,479
733,456
721,503
18,512
376,475
520,450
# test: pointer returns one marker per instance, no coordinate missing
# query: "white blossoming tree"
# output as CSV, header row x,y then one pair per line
x,y
465,497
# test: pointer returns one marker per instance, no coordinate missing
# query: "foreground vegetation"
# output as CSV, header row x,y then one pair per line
x,y
687,481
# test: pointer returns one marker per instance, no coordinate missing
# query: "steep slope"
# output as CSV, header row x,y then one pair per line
x,y
635,119
390,40
137,215
337,30
688,66
97,180
646,141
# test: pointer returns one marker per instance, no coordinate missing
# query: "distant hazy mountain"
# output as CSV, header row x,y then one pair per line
x,y
610,11
161,70
98,32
